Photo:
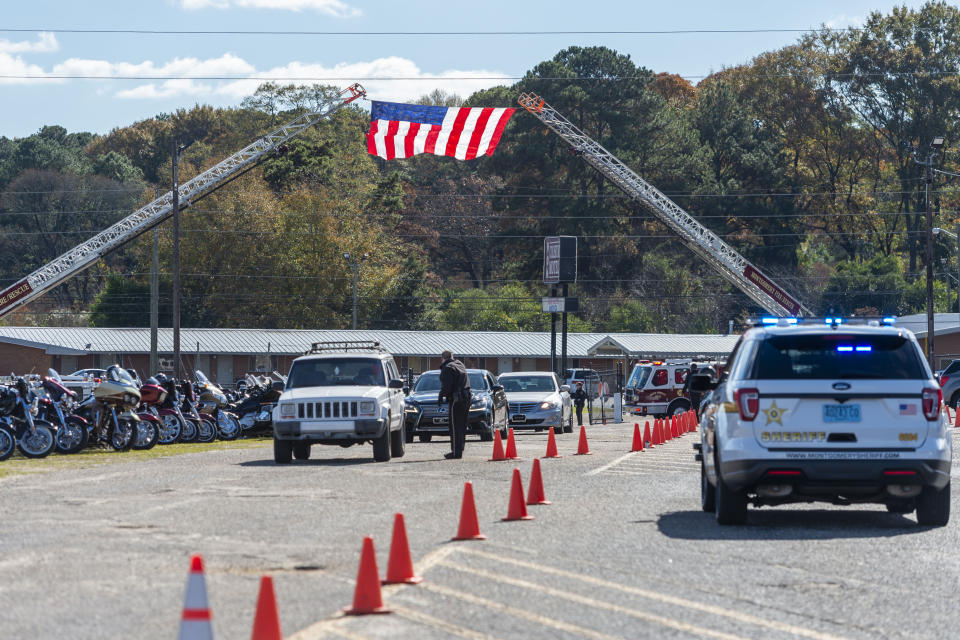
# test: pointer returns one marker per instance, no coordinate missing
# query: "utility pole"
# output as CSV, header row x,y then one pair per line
x,y
176,262
355,264
155,296
935,145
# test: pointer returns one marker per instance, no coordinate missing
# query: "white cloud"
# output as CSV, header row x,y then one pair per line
x,y
412,82
14,68
392,78
844,21
46,43
336,8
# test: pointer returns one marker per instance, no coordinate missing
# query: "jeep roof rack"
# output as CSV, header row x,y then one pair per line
x,y
345,345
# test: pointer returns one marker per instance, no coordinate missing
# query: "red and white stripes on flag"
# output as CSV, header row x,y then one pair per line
x,y
404,130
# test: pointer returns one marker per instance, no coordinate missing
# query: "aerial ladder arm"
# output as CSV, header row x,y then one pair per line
x,y
706,244
82,256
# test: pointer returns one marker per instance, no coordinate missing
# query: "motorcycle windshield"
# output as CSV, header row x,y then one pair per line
x,y
116,374
52,373
202,379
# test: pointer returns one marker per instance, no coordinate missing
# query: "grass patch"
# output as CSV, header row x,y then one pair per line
x,y
94,457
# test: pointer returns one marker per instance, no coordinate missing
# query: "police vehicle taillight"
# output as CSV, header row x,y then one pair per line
x,y
932,399
748,403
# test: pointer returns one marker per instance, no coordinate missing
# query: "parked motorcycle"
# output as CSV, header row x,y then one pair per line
x,y
171,411
212,401
153,396
56,407
206,427
255,410
18,408
114,402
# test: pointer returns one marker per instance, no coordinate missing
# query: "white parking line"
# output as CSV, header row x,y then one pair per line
x,y
673,600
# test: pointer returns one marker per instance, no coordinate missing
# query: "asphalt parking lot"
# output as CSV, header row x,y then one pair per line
x,y
623,552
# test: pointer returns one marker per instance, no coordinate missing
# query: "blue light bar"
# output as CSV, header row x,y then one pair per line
x,y
770,321
845,347
889,320
864,347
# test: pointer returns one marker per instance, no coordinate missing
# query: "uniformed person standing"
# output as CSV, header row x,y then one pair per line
x,y
579,399
455,388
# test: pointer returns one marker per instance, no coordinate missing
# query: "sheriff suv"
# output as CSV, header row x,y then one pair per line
x,y
829,412
341,393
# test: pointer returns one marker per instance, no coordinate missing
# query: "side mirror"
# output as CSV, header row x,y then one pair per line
x,y
498,387
565,387
396,383
702,382
277,385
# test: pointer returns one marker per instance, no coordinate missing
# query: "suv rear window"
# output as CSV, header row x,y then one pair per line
x,y
837,356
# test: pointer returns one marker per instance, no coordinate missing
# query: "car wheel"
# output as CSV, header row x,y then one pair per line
x,y
381,445
955,400
933,507
282,451
407,432
708,493
425,437
398,441
731,506
301,450
487,435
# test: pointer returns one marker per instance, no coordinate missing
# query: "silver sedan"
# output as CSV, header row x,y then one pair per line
x,y
537,400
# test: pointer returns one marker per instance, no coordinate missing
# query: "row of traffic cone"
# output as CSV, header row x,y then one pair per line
x,y
196,619
663,430
583,447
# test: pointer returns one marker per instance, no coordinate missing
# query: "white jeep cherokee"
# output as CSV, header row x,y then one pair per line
x,y
340,393
831,413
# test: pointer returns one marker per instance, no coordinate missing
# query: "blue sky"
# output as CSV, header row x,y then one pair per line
x,y
466,63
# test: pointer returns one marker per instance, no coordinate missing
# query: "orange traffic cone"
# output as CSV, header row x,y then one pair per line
x,y
511,446
535,495
583,449
552,446
664,431
693,421
646,433
266,622
655,434
674,429
400,564
366,595
956,422
196,616
637,438
469,528
517,509
497,447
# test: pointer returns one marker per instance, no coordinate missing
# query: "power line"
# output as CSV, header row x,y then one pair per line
x,y
543,32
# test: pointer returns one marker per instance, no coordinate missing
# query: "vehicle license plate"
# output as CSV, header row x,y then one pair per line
x,y
519,417
439,421
841,413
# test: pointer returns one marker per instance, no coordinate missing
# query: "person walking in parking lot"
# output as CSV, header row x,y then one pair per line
x,y
455,387
579,399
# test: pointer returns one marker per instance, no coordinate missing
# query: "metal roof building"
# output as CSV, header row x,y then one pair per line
x,y
232,351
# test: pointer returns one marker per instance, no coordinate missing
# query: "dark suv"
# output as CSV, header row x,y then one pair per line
x,y
425,417
950,383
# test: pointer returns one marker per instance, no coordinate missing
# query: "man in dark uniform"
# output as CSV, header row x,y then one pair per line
x,y
695,396
455,387
579,399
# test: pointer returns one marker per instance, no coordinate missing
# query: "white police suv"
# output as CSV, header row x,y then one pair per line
x,y
825,411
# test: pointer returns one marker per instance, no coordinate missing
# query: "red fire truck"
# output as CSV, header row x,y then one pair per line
x,y
655,387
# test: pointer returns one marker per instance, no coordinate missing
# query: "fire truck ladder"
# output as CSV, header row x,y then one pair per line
x,y
714,251
82,256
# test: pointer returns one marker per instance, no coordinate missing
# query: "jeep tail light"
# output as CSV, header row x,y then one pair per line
x,y
943,380
748,403
932,399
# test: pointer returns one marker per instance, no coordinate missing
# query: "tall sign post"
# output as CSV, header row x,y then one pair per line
x,y
559,268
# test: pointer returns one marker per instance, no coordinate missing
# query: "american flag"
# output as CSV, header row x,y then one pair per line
x,y
908,409
400,130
